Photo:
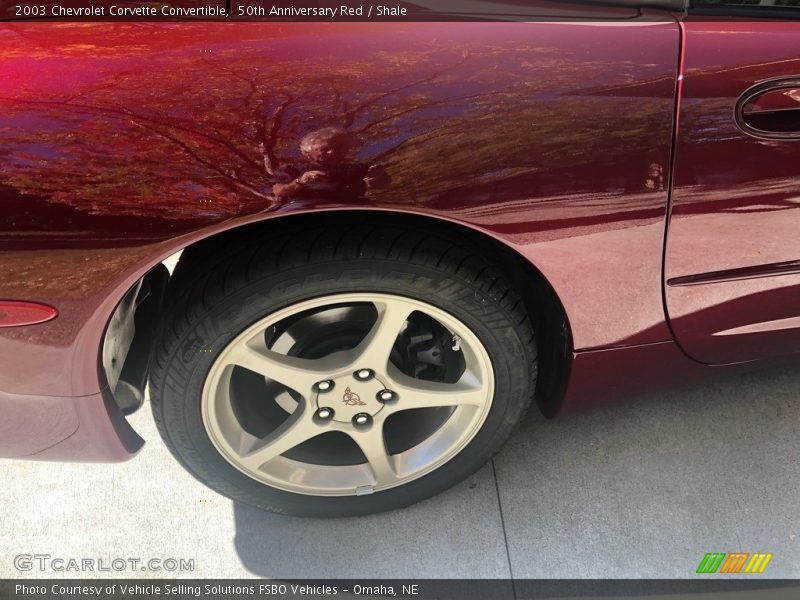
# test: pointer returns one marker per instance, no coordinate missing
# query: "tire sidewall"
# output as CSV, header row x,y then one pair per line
x,y
217,325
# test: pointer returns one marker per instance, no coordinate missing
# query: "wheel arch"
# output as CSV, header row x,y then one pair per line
x,y
547,313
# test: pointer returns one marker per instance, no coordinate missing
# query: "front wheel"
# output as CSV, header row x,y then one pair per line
x,y
338,381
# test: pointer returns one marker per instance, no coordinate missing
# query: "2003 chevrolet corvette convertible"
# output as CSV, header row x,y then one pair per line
x,y
394,236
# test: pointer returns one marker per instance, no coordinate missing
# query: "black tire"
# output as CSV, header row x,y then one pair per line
x,y
244,282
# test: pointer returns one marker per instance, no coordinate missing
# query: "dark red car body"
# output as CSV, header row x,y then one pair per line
x,y
602,151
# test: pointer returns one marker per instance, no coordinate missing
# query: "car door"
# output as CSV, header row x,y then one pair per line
x,y
732,259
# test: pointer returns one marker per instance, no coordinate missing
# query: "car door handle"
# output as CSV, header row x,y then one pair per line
x,y
771,110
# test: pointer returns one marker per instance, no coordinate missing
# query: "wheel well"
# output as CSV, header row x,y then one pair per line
x,y
547,314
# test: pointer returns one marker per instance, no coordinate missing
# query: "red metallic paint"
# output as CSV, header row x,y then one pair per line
x,y
504,127
784,98
84,429
733,244
122,145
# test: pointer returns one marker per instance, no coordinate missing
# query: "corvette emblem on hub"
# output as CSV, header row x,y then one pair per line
x,y
351,398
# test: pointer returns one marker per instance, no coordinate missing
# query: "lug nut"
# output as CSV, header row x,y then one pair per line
x,y
361,419
325,386
364,374
325,413
386,396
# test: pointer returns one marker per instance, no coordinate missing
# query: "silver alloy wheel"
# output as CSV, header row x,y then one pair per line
x,y
357,391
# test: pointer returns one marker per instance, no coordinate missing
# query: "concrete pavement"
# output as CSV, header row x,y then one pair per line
x,y
642,489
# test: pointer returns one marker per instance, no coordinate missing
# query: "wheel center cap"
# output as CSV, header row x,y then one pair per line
x,y
350,397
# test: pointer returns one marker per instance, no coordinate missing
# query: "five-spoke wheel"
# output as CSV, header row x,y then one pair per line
x,y
357,392
324,373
